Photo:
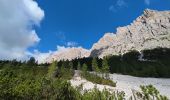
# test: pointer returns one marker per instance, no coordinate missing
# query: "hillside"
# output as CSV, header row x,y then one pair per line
x,y
148,31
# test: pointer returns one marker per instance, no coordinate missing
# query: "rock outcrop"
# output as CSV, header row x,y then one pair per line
x,y
148,31
69,54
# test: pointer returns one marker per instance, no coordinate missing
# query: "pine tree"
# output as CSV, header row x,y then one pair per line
x,y
105,67
95,65
84,68
52,69
65,64
31,62
71,65
78,66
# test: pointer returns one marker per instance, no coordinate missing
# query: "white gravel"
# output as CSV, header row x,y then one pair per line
x,y
125,83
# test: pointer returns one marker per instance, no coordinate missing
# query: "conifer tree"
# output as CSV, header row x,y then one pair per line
x,y
51,69
78,66
95,65
84,68
71,65
105,67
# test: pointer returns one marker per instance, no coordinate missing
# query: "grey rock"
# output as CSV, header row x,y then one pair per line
x,y
148,31
69,54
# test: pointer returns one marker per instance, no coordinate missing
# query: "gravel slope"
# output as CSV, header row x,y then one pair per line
x,y
125,83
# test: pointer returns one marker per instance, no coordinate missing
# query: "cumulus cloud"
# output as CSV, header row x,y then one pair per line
x,y
64,48
41,57
17,18
61,48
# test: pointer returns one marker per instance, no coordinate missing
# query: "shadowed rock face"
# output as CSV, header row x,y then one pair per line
x,y
148,31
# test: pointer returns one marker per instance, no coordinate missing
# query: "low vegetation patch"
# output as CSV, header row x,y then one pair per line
x,y
97,79
95,94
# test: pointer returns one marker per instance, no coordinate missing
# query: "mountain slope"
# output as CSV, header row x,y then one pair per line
x,y
69,54
148,31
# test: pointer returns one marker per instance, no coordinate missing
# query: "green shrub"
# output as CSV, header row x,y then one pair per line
x,y
149,92
98,80
95,94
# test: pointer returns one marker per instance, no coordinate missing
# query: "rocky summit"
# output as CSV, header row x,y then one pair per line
x,y
148,31
69,54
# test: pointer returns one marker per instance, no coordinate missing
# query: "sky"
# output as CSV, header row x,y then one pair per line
x,y
38,28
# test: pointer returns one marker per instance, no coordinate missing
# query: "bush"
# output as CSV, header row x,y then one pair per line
x,y
98,80
95,94
149,92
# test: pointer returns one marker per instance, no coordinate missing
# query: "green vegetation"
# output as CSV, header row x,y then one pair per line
x,y
78,66
52,68
95,94
93,77
154,63
25,82
95,65
149,93
97,79
30,81
105,68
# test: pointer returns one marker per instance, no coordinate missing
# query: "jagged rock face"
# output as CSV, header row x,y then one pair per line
x,y
69,54
148,31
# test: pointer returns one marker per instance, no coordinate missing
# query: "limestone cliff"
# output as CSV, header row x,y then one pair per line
x,y
68,54
148,31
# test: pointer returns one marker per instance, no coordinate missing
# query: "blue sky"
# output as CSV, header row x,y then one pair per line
x,y
84,22
40,28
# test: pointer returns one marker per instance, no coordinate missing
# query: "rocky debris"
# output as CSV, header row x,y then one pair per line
x,y
126,83
148,31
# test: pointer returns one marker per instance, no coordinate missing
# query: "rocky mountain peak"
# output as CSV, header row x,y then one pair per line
x,y
148,31
69,54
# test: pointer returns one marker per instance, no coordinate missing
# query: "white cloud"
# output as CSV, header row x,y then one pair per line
x,y
62,48
44,57
118,5
121,3
147,2
39,56
72,44
17,19
112,8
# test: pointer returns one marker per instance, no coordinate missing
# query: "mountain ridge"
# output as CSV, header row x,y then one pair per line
x,y
148,31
